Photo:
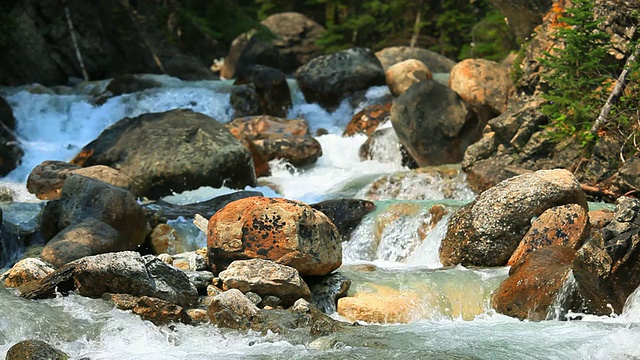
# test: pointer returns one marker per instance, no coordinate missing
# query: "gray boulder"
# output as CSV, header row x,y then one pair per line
x,y
488,231
170,152
435,62
124,272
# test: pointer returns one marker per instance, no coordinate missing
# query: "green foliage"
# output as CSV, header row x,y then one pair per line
x,y
577,75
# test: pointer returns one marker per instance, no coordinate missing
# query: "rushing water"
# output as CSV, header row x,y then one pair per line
x,y
393,252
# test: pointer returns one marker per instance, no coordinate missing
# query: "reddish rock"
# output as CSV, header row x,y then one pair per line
x,y
483,84
598,219
402,75
566,225
265,126
368,119
159,312
164,239
46,179
287,232
531,291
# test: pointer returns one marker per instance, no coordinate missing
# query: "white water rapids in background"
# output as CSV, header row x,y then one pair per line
x,y
453,319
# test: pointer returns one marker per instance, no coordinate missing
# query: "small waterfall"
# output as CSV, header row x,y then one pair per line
x,y
401,232
562,302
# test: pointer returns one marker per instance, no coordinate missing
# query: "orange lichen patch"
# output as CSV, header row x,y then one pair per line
x,y
566,225
554,16
82,157
368,120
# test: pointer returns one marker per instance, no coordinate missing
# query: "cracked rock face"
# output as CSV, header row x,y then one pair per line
x,y
284,231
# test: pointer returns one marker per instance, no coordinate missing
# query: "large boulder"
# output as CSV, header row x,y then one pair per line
x,y
532,290
483,84
265,278
434,123
86,198
328,79
10,151
435,62
487,231
293,44
170,152
271,88
46,179
124,272
284,231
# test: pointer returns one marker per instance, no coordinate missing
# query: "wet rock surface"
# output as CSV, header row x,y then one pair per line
x,y
159,312
368,119
346,214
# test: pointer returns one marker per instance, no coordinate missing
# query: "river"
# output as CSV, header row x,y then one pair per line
x,y
448,308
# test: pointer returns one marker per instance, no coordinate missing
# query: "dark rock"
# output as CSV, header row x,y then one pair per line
x,y
271,301
245,101
34,350
10,151
326,290
170,152
49,224
434,124
328,79
113,39
297,150
206,208
292,45
271,87
488,231
83,198
117,273
435,62
125,84
200,279
346,214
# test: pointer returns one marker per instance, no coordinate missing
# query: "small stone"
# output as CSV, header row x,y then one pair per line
x,y
255,298
36,350
166,258
197,262
6,194
198,315
213,290
270,301
301,306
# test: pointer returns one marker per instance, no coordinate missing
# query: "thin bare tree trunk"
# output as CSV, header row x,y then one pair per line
x,y
416,26
72,31
615,93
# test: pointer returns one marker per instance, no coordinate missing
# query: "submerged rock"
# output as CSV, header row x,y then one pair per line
x,y
123,272
171,151
284,231
488,231
328,79
264,278
34,350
